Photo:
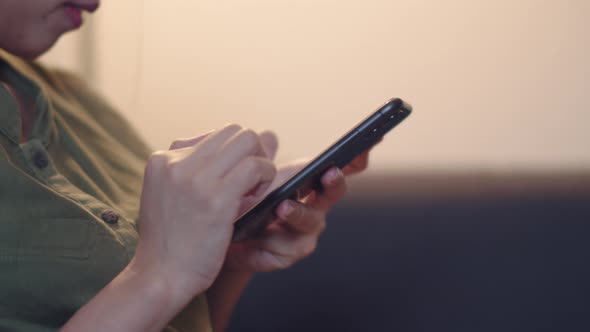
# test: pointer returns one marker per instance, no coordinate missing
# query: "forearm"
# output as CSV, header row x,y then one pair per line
x,y
134,301
224,295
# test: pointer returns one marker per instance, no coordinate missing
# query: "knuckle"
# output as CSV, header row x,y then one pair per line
x,y
251,165
157,161
177,143
232,127
250,138
158,156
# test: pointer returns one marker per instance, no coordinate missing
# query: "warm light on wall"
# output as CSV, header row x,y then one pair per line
x,y
495,84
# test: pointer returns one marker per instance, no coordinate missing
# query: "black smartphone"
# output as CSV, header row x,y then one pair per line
x,y
356,141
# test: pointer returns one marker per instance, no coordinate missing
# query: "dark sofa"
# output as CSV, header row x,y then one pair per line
x,y
439,252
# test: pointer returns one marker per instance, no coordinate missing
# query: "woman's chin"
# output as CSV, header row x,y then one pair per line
x,y
31,50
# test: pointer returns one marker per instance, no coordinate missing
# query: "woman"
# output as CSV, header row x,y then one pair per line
x,y
97,233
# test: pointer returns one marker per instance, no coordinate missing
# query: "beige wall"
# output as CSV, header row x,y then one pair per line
x,y
495,84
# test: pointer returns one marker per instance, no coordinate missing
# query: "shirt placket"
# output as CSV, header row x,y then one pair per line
x,y
33,153
37,158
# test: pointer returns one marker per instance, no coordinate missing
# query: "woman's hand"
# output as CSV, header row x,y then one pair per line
x,y
290,238
191,196
294,235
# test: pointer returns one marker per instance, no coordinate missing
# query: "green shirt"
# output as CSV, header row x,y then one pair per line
x,y
69,199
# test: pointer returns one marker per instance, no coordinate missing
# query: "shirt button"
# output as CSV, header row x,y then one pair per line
x,y
40,159
110,217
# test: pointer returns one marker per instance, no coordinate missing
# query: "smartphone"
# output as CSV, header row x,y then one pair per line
x,y
353,143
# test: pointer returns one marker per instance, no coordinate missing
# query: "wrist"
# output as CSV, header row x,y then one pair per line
x,y
170,287
236,271
224,294
158,288
135,300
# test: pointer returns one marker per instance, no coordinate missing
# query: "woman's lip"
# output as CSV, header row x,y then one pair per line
x,y
89,7
74,10
74,14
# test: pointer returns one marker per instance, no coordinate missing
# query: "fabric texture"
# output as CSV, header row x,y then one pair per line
x,y
69,200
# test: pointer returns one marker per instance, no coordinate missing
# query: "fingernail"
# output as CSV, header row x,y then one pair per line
x,y
333,174
288,209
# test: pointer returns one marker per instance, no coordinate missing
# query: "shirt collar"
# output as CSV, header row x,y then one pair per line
x,y
26,80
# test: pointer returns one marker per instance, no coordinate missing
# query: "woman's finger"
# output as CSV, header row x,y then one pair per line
x,y
199,154
334,187
301,218
360,163
252,173
270,143
287,247
243,144
213,142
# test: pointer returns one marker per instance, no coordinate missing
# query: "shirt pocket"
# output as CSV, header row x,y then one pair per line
x,y
69,238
